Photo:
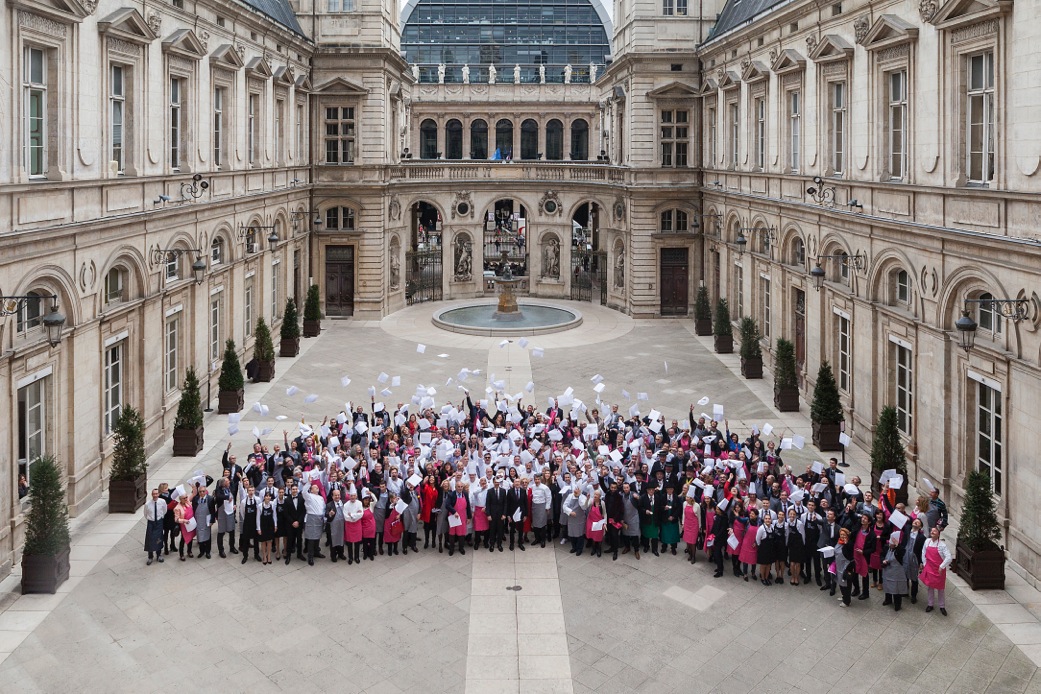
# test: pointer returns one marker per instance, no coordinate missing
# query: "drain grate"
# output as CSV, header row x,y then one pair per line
x,y
513,587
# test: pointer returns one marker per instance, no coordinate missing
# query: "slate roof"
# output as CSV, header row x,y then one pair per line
x,y
278,10
736,12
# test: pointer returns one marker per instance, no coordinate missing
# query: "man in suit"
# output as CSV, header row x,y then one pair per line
x,y
296,511
495,507
516,500
719,530
829,537
229,463
554,413
204,510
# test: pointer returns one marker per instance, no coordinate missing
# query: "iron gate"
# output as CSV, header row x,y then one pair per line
x,y
588,274
423,278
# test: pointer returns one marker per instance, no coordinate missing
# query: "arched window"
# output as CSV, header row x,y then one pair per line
x,y
579,140
843,263
428,140
674,221
554,140
115,285
529,139
900,288
478,139
339,218
31,314
989,317
798,255
453,139
504,139
217,251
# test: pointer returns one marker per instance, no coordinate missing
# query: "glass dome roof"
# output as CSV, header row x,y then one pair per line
x,y
505,33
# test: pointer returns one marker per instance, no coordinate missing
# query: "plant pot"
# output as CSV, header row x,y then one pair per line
x,y
126,496
43,573
289,348
983,569
786,399
723,344
826,436
752,368
229,401
265,371
702,326
187,442
312,328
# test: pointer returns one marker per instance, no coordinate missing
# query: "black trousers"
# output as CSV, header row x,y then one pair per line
x,y
295,541
612,537
369,544
518,528
244,544
495,532
540,535
717,555
814,568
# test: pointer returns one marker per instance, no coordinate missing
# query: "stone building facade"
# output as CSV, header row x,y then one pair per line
x,y
632,182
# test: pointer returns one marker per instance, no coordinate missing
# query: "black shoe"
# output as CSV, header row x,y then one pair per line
x,y
521,547
451,551
511,546
319,555
824,587
832,593
199,556
929,608
208,555
818,580
914,601
462,550
159,558
233,550
865,596
655,552
887,601
500,548
573,550
718,574
615,557
779,580
405,549
149,562
943,611
334,557
166,551
287,561
244,559
310,561
381,550
674,554
222,555
300,556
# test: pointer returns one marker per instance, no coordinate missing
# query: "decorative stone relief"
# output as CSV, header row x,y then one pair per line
x,y
861,26
463,265
42,24
551,257
394,263
619,209
123,47
394,209
88,275
811,42
155,22
927,9
975,31
549,205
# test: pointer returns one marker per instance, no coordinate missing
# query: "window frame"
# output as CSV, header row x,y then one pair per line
x,y
989,440
247,307
987,95
734,136
794,101
113,297
838,127
903,387
113,371
27,436
897,109
844,352
345,136
765,305
759,133
40,88
176,108
215,327
219,104
171,347
118,101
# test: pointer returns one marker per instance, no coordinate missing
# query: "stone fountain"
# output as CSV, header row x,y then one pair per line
x,y
508,309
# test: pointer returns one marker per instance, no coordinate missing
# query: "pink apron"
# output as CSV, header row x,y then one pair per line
x,y
691,526
749,552
875,562
188,515
739,533
368,525
392,527
460,509
594,517
932,575
859,560
480,519
352,531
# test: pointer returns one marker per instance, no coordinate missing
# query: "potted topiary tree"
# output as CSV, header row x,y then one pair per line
x,y
887,451
978,557
188,429
290,344
751,352
231,394
826,411
312,313
702,313
786,377
722,330
127,481
45,558
264,352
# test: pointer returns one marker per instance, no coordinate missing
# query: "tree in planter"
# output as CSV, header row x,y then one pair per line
x,y
45,558
722,330
230,384
786,377
290,335
751,352
188,431
979,529
127,480
887,451
702,312
312,312
826,410
264,352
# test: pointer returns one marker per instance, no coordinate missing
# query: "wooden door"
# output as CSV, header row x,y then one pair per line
x,y
800,328
674,282
339,280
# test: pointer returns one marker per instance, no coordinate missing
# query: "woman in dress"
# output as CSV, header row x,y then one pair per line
x,y
282,525
650,518
595,514
863,548
267,522
747,554
875,560
392,525
766,537
182,515
845,567
459,502
428,509
935,560
691,525
353,511
796,543
894,578
368,528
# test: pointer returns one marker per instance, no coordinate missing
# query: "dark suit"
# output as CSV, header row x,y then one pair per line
x,y
516,499
495,507
719,528
829,537
296,511
209,505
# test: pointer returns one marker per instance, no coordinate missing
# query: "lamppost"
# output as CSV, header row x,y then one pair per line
x,y
198,267
717,216
822,194
52,322
818,275
769,232
193,190
1013,309
247,232
297,215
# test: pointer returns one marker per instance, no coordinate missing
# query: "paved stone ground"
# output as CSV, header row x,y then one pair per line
x,y
418,623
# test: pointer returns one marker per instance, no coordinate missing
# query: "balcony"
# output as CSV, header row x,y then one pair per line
x,y
481,170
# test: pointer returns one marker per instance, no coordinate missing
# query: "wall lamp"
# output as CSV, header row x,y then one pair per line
x,y
314,215
822,194
245,231
742,241
52,322
818,275
718,217
193,190
1013,309
161,255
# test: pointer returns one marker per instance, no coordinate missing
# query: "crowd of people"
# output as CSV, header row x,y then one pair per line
x,y
481,476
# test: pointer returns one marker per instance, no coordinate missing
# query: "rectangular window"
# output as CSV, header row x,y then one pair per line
x,y
114,286
668,7
117,111
759,107
301,119
176,121
903,287
794,130
247,306
764,320
904,388
173,266
280,107
341,5
979,125
170,363
218,127
34,85
674,128
113,385
989,435
31,426
739,290
838,127
339,135
274,290
896,124
711,145
681,7
735,131
845,349
215,341
339,218
251,128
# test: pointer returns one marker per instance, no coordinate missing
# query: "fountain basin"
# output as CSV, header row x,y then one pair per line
x,y
534,319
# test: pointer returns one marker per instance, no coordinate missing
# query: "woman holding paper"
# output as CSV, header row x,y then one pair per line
x,y
691,523
845,566
267,522
747,554
935,560
894,580
184,517
368,527
392,525
428,509
352,530
769,538
595,521
912,556
738,528
863,548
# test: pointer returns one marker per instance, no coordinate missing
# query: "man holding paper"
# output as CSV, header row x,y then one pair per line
x,y
516,512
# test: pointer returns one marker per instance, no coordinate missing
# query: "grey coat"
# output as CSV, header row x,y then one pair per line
x,y
576,524
894,579
631,517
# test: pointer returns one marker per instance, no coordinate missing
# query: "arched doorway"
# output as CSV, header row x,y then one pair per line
x,y
505,231
588,262
423,258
